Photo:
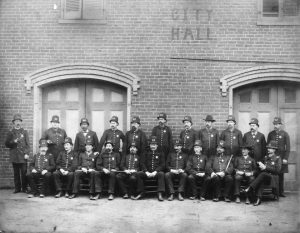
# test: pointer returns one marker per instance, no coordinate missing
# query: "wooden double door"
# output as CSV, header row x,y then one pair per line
x,y
265,101
74,99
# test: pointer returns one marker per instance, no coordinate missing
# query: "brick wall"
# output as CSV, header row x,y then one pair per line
x,y
154,40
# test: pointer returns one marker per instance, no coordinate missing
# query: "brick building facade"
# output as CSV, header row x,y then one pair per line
x,y
182,57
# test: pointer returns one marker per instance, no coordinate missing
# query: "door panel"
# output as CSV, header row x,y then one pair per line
x,y
75,99
265,101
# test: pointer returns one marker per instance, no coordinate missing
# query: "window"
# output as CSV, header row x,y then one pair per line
x,y
290,95
264,95
82,11
278,12
245,97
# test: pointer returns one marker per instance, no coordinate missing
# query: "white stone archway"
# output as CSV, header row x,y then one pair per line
x,y
255,75
36,80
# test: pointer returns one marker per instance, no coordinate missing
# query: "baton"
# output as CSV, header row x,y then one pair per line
x,y
228,163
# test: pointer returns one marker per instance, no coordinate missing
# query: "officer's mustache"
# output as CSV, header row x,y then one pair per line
x,y
133,128
108,150
161,123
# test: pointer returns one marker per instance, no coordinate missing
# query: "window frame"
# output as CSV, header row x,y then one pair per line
x,y
280,20
101,20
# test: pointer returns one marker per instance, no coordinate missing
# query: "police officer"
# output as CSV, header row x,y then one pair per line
x,y
188,136
175,167
152,166
197,170
245,169
107,164
85,169
41,166
55,137
66,163
135,135
282,140
256,140
269,171
163,134
83,135
130,166
220,170
114,135
232,138
209,137
17,141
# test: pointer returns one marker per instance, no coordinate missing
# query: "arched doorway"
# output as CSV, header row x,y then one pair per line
x,y
73,91
265,92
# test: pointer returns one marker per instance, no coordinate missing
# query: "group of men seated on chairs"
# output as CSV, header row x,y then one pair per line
x,y
130,171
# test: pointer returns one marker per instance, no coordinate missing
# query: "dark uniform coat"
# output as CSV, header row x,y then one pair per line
x,y
130,162
283,143
140,139
219,164
273,167
108,160
67,161
153,161
164,138
232,141
243,164
57,138
115,136
258,143
86,160
188,138
80,140
42,162
19,149
176,161
210,140
196,164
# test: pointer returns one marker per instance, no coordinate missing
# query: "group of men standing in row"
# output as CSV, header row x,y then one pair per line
x,y
129,159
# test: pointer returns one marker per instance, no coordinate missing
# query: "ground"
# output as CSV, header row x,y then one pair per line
x,y
20,214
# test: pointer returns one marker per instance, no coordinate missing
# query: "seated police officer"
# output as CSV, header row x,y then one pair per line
x,y
41,167
152,165
66,164
85,169
245,168
176,165
107,164
197,171
220,170
130,165
269,170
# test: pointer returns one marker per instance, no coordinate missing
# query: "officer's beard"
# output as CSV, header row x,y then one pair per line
x,y
108,150
132,151
161,124
133,128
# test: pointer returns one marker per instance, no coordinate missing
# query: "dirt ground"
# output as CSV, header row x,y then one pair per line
x,y
20,214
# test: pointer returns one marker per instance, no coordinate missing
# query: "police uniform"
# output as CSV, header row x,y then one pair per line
x,y
219,163
82,136
136,136
67,161
257,141
176,160
245,164
110,161
115,136
57,138
233,139
282,140
163,135
153,161
39,163
188,137
197,163
268,176
17,150
87,161
129,162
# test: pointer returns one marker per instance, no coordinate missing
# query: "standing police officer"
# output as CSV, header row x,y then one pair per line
x,y
282,141
256,140
82,136
163,134
188,136
209,137
17,141
232,138
55,137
